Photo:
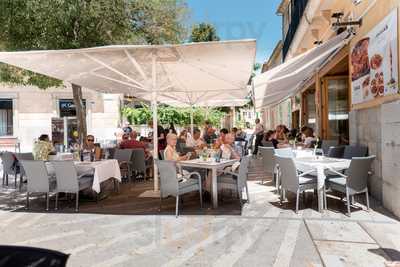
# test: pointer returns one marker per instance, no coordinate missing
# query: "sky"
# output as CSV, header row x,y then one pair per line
x,y
241,19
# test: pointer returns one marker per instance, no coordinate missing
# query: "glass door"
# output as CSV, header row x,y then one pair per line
x,y
336,109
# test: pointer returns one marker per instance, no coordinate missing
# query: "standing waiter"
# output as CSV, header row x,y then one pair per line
x,y
259,133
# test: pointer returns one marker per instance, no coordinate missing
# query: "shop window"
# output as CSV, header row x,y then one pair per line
x,y
310,114
6,117
338,109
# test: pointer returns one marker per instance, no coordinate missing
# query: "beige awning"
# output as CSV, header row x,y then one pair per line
x,y
285,80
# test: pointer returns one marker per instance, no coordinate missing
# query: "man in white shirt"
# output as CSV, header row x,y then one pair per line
x,y
259,134
195,141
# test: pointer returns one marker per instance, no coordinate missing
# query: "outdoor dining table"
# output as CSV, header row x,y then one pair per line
x,y
212,165
101,170
321,164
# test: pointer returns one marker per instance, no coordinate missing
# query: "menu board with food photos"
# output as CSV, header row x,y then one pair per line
x,y
374,62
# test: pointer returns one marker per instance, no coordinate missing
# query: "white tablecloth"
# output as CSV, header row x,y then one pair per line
x,y
62,156
303,153
101,170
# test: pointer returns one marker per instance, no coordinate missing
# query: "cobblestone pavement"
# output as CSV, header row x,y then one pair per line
x,y
264,234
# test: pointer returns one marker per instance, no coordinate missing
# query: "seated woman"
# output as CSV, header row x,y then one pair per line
x,y
91,147
227,149
170,152
308,137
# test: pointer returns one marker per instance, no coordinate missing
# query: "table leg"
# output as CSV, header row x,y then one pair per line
x,y
214,188
321,181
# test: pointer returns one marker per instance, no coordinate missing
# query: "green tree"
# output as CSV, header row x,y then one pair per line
x,y
167,114
204,32
67,24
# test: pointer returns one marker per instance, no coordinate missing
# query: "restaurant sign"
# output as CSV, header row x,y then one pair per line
x,y
67,107
374,62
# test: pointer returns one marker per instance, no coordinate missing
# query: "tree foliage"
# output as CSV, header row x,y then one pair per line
x,y
69,24
204,32
167,114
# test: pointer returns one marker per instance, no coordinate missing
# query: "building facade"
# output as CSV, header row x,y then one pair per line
x,y
27,112
354,97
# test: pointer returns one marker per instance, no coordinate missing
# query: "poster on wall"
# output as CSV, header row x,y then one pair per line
x,y
374,62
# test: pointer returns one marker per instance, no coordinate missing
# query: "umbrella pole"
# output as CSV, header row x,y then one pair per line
x,y
191,120
155,122
155,139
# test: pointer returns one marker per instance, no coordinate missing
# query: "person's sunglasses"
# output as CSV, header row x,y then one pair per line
x,y
90,140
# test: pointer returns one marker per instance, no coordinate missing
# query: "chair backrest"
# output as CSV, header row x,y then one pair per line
x,y
123,155
168,177
138,160
66,176
358,173
24,156
8,161
37,176
284,152
243,171
289,177
336,152
267,154
326,144
267,144
355,151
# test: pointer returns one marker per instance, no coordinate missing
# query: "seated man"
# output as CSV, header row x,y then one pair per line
x,y
43,148
133,143
196,141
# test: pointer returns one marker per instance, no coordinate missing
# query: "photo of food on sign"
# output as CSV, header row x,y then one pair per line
x,y
374,62
360,59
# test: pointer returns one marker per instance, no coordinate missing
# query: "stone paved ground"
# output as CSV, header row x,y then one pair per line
x,y
264,234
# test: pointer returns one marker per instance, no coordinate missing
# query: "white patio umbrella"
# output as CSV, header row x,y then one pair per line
x,y
195,74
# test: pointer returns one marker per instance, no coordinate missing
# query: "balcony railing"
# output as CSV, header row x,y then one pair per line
x,y
297,10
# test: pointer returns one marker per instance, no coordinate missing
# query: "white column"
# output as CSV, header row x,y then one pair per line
x,y
65,132
155,120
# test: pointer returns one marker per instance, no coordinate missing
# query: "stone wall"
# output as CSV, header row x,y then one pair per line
x,y
365,129
379,129
390,118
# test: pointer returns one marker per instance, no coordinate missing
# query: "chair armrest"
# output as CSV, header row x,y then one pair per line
x,y
305,173
231,173
195,174
338,173
86,173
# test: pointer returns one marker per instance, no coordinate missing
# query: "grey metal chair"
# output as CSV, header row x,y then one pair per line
x,y
267,155
335,152
282,152
326,144
124,158
355,151
9,167
170,185
355,182
139,162
267,143
38,179
292,181
68,180
236,181
22,156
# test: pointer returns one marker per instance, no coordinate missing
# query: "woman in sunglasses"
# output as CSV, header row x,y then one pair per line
x,y
90,146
